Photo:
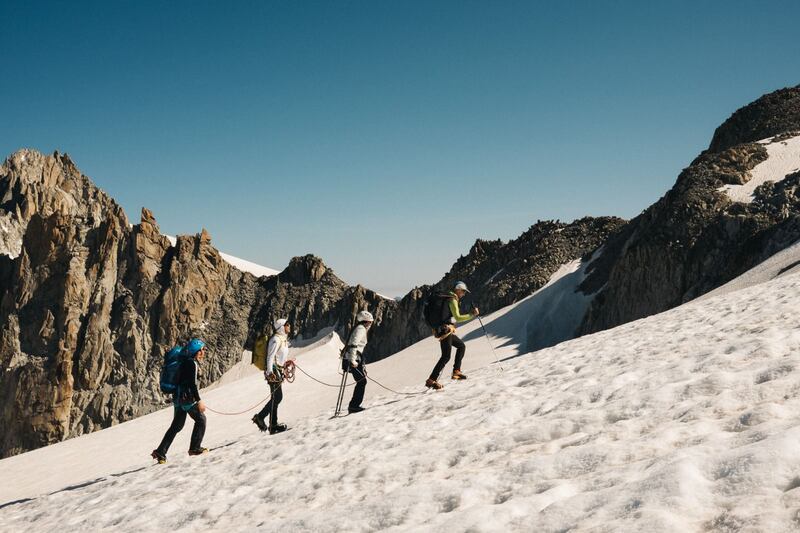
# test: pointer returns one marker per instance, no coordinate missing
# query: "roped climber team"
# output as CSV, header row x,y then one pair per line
x,y
442,313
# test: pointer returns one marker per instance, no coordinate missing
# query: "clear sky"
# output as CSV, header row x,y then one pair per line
x,y
383,136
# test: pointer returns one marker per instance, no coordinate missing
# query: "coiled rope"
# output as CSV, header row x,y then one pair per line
x,y
288,376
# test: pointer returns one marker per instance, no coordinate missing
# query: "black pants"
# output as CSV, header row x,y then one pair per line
x,y
360,377
271,409
447,344
178,420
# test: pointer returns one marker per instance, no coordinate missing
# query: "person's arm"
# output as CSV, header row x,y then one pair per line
x,y
191,380
456,312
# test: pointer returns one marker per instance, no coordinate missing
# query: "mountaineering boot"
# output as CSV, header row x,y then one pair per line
x,y
259,422
277,428
158,456
353,410
198,451
458,375
433,384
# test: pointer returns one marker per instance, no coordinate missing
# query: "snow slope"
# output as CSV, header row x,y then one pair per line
x,y
783,263
783,159
684,421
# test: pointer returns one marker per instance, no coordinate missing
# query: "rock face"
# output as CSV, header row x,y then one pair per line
x,y
770,115
89,304
696,238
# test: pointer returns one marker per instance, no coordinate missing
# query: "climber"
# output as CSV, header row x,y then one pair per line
x,y
186,400
277,355
448,316
353,361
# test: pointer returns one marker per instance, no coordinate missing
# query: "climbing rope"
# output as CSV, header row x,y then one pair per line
x,y
378,383
289,376
240,412
288,371
319,381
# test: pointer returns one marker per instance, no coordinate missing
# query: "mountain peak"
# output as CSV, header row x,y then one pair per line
x,y
304,269
772,114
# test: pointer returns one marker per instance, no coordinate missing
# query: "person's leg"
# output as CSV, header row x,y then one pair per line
x,y
461,349
178,419
446,350
267,409
199,428
361,385
277,396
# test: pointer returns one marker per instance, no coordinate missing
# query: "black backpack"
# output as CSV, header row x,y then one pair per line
x,y
435,307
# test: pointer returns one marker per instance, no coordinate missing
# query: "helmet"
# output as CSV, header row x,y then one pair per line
x,y
461,286
280,323
194,346
365,316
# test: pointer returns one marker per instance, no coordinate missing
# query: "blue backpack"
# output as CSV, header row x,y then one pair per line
x,y
171,369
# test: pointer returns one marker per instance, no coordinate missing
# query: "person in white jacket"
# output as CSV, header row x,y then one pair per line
x,y
277,355
353,361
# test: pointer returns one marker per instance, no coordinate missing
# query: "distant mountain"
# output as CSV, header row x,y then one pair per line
x,y
708,228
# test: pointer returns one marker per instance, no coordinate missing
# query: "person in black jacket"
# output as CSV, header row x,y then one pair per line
x,y
186,401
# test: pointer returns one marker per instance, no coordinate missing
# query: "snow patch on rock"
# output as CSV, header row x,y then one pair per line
x,y
783,159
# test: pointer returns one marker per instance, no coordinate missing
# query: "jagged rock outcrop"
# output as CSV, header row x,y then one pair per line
x,y
696,237
89,303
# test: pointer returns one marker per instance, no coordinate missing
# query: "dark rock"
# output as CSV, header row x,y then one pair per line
x,y
695,238
773,114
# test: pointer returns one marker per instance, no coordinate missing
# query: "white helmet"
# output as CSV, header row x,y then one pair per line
x,y
279,324
461,286
365,316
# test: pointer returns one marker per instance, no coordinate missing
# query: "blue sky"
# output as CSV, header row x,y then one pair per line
x,y
383,136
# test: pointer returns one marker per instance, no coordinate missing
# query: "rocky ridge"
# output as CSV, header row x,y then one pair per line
x,y
696,238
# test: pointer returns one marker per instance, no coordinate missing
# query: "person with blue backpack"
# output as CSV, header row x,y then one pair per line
x,y
180,376
442,313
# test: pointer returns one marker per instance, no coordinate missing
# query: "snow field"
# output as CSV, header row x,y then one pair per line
x,y
684,421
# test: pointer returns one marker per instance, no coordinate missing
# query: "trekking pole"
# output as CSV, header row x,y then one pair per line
x,y
486,334
340,399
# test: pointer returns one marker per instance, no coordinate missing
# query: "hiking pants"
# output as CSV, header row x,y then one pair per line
x,y
447,344
271,409
360,377
178,420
